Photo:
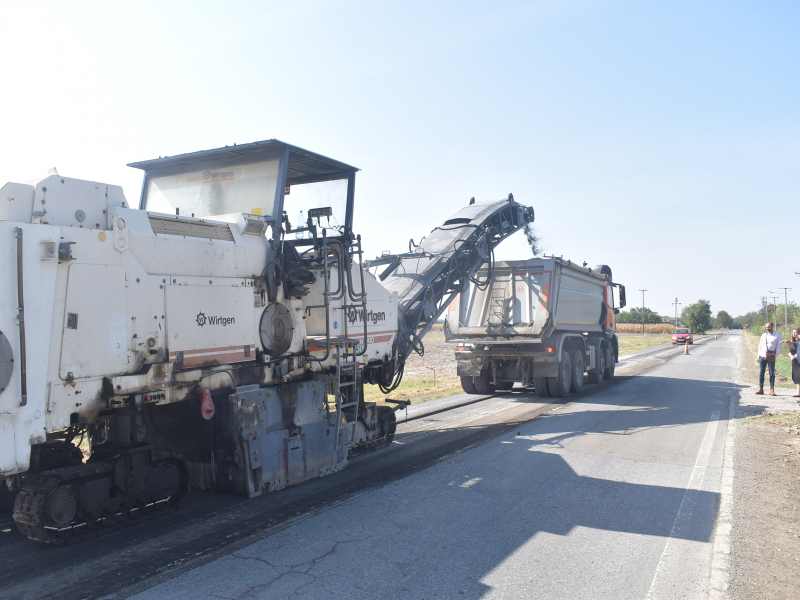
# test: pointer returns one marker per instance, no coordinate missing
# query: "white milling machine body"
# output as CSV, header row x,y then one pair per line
x,y
197,340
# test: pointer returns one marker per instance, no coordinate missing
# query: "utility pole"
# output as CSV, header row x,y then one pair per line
x,y
785,308
775,308
677,304
764,308
643,291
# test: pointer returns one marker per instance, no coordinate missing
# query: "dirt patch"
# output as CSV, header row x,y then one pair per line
x,y
765,538
425,377
439,355
765,559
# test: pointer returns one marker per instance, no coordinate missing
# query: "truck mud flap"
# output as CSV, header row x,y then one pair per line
x,y
545,369
469,368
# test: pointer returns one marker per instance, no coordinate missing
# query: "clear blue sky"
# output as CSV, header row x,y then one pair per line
x,y
659,138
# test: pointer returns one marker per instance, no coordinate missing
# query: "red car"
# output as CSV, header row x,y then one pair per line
x,y
681,336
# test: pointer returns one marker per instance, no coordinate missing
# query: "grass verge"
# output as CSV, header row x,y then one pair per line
x,y
416,390
781,418
632,342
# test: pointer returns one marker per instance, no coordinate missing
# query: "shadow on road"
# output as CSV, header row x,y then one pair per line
x,y
526,490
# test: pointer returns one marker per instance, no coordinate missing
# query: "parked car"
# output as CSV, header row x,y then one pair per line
x,y
681,336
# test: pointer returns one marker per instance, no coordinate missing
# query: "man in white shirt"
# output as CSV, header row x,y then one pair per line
x,y
770,342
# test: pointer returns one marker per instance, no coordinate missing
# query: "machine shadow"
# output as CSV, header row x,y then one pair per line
x,y
524,488
504,504
633,404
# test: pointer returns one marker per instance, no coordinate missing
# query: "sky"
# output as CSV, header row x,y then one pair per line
x,y
659,138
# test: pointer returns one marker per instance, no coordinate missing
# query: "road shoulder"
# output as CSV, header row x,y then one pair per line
x,y
764,541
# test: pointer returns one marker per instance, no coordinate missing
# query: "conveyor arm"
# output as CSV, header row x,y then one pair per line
x,y
428,277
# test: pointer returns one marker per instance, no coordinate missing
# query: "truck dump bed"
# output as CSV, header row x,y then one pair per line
x,y
528,299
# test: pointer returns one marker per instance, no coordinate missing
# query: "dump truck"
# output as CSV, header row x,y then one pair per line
x,y
544,323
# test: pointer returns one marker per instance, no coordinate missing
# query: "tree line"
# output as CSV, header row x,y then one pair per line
x,y
775,313
698,317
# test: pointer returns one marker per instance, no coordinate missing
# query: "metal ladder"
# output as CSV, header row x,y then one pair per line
x,y
345,389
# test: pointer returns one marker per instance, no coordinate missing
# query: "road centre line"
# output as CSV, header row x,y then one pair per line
x,y
685,509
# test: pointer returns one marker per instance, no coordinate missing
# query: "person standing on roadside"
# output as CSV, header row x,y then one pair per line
x,y
768,350
794,346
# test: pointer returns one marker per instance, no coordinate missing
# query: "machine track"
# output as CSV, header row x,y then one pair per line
x,y
43,495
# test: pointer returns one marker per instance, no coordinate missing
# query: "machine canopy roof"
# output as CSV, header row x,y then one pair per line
x,y
304,166
237,179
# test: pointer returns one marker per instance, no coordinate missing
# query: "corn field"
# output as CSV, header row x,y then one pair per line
x,y
654,328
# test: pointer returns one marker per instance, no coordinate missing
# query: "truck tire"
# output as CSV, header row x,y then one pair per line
x,y
596,374
504,386
610,367
560,386
482,384
578,369
468,385
541,387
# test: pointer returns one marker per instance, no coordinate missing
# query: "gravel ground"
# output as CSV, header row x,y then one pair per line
x,y
765,548
439,355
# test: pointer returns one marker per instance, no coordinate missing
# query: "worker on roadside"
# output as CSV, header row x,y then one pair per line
x,y
768,349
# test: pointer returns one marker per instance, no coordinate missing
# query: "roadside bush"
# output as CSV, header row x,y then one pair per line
x,y
633,328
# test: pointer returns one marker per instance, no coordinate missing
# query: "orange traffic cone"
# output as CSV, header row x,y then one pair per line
x,y
686,351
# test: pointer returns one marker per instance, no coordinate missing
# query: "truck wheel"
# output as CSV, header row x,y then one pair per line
x,y
482,384
559,386
504,386
541,387
596,375
612,366
468,385
578,368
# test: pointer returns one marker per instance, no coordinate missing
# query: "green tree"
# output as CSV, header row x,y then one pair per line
x,y
723,320
697,316
634,315
746,320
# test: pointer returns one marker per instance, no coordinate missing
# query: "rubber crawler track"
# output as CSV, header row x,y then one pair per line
x,y
29,506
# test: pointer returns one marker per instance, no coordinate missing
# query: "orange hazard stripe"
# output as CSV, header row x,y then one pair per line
x,y
205,356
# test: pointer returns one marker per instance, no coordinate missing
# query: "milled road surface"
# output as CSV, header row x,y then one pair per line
x,y
610,494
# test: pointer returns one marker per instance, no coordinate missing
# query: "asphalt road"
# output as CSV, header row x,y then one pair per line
x,y
610,494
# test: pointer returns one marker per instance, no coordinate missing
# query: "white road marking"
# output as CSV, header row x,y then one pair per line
x,y
719,574
685,510
471,482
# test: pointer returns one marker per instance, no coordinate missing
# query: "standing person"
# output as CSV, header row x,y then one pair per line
x,y
794,346
768,350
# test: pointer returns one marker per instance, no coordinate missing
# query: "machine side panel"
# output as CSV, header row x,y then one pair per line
x,y
16,202
168,254
95,338
210,324
39,276
381,316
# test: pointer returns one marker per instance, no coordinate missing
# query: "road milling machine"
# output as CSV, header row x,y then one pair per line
x,y
203,339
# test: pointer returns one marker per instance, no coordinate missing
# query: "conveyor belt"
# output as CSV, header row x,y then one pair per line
x,y
428,277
